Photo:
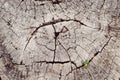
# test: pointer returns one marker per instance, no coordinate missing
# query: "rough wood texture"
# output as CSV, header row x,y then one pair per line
x,y
59,39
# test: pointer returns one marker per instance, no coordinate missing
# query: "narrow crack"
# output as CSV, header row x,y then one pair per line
x,y
57,62
52,1
56,1
56,34
100,51
102,4
65,50
52,23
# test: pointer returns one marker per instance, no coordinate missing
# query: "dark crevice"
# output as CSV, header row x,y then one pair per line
x,y
92,57
66,52
0,78
52,23
52,1
56,1
56,62
102,4
56,34
100,51
75,69
63,30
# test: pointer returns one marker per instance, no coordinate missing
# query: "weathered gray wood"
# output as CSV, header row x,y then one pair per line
x,y
59,39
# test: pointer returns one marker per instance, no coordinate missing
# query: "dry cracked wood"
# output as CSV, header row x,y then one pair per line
x,y
59,40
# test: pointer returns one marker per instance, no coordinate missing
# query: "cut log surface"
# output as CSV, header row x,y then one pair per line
x,y
59,39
